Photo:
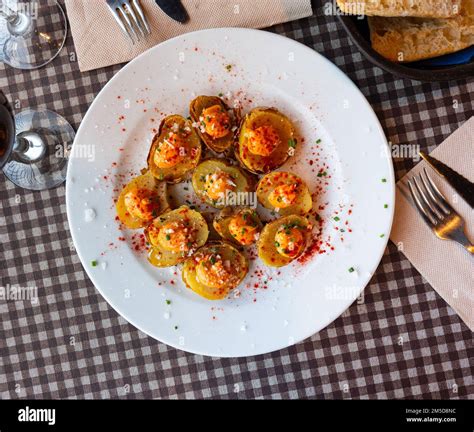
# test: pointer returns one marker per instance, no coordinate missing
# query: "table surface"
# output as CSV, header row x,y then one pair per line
x,y
402,341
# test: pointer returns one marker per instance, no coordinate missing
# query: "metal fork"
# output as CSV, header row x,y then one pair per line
x,y
436,211
131,18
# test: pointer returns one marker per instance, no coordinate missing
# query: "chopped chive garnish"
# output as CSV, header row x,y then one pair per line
x,y
168,237
382,235
292,143
168,302
318,141
94,263
351,270
385,206
336,218
384,180
221,94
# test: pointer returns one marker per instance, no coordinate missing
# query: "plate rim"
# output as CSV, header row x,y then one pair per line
x,y
391,180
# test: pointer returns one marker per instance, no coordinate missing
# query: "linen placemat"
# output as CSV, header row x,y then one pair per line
x,y
444,264
100,42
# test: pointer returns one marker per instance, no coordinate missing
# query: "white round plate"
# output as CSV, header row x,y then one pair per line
x,y
342,154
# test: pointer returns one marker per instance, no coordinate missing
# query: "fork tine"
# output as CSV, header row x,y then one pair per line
x,y
118,18
424,201
142,16
136,24
128,24
432,197
131,18
419,206
435,191
427,198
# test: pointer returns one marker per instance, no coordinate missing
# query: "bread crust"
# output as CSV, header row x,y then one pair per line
x,y
402,8
411,39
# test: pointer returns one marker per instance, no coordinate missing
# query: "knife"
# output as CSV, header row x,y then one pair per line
x,y
174,9
459,183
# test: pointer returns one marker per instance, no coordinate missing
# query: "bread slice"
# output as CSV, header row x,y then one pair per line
x,y
402,8
412,39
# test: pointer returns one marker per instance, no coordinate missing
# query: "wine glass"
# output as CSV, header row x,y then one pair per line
x,y
34,147
32,33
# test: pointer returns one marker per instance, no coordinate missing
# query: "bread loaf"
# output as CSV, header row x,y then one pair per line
x,y
402,8
412,39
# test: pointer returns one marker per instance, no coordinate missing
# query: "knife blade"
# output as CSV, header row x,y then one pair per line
x,y
174,9
460,184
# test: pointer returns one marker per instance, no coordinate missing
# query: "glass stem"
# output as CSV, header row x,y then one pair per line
x,y
29,147
21,145
8,14
19,23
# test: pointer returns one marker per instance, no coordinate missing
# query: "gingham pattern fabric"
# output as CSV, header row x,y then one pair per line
x,y
402,341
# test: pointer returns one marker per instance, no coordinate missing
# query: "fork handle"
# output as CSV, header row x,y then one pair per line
x,y
460,237
468,246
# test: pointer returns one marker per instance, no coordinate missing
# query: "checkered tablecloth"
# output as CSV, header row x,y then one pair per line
x,y
403,341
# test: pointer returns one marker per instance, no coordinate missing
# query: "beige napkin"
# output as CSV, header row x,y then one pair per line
x,y
444,264
100,42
